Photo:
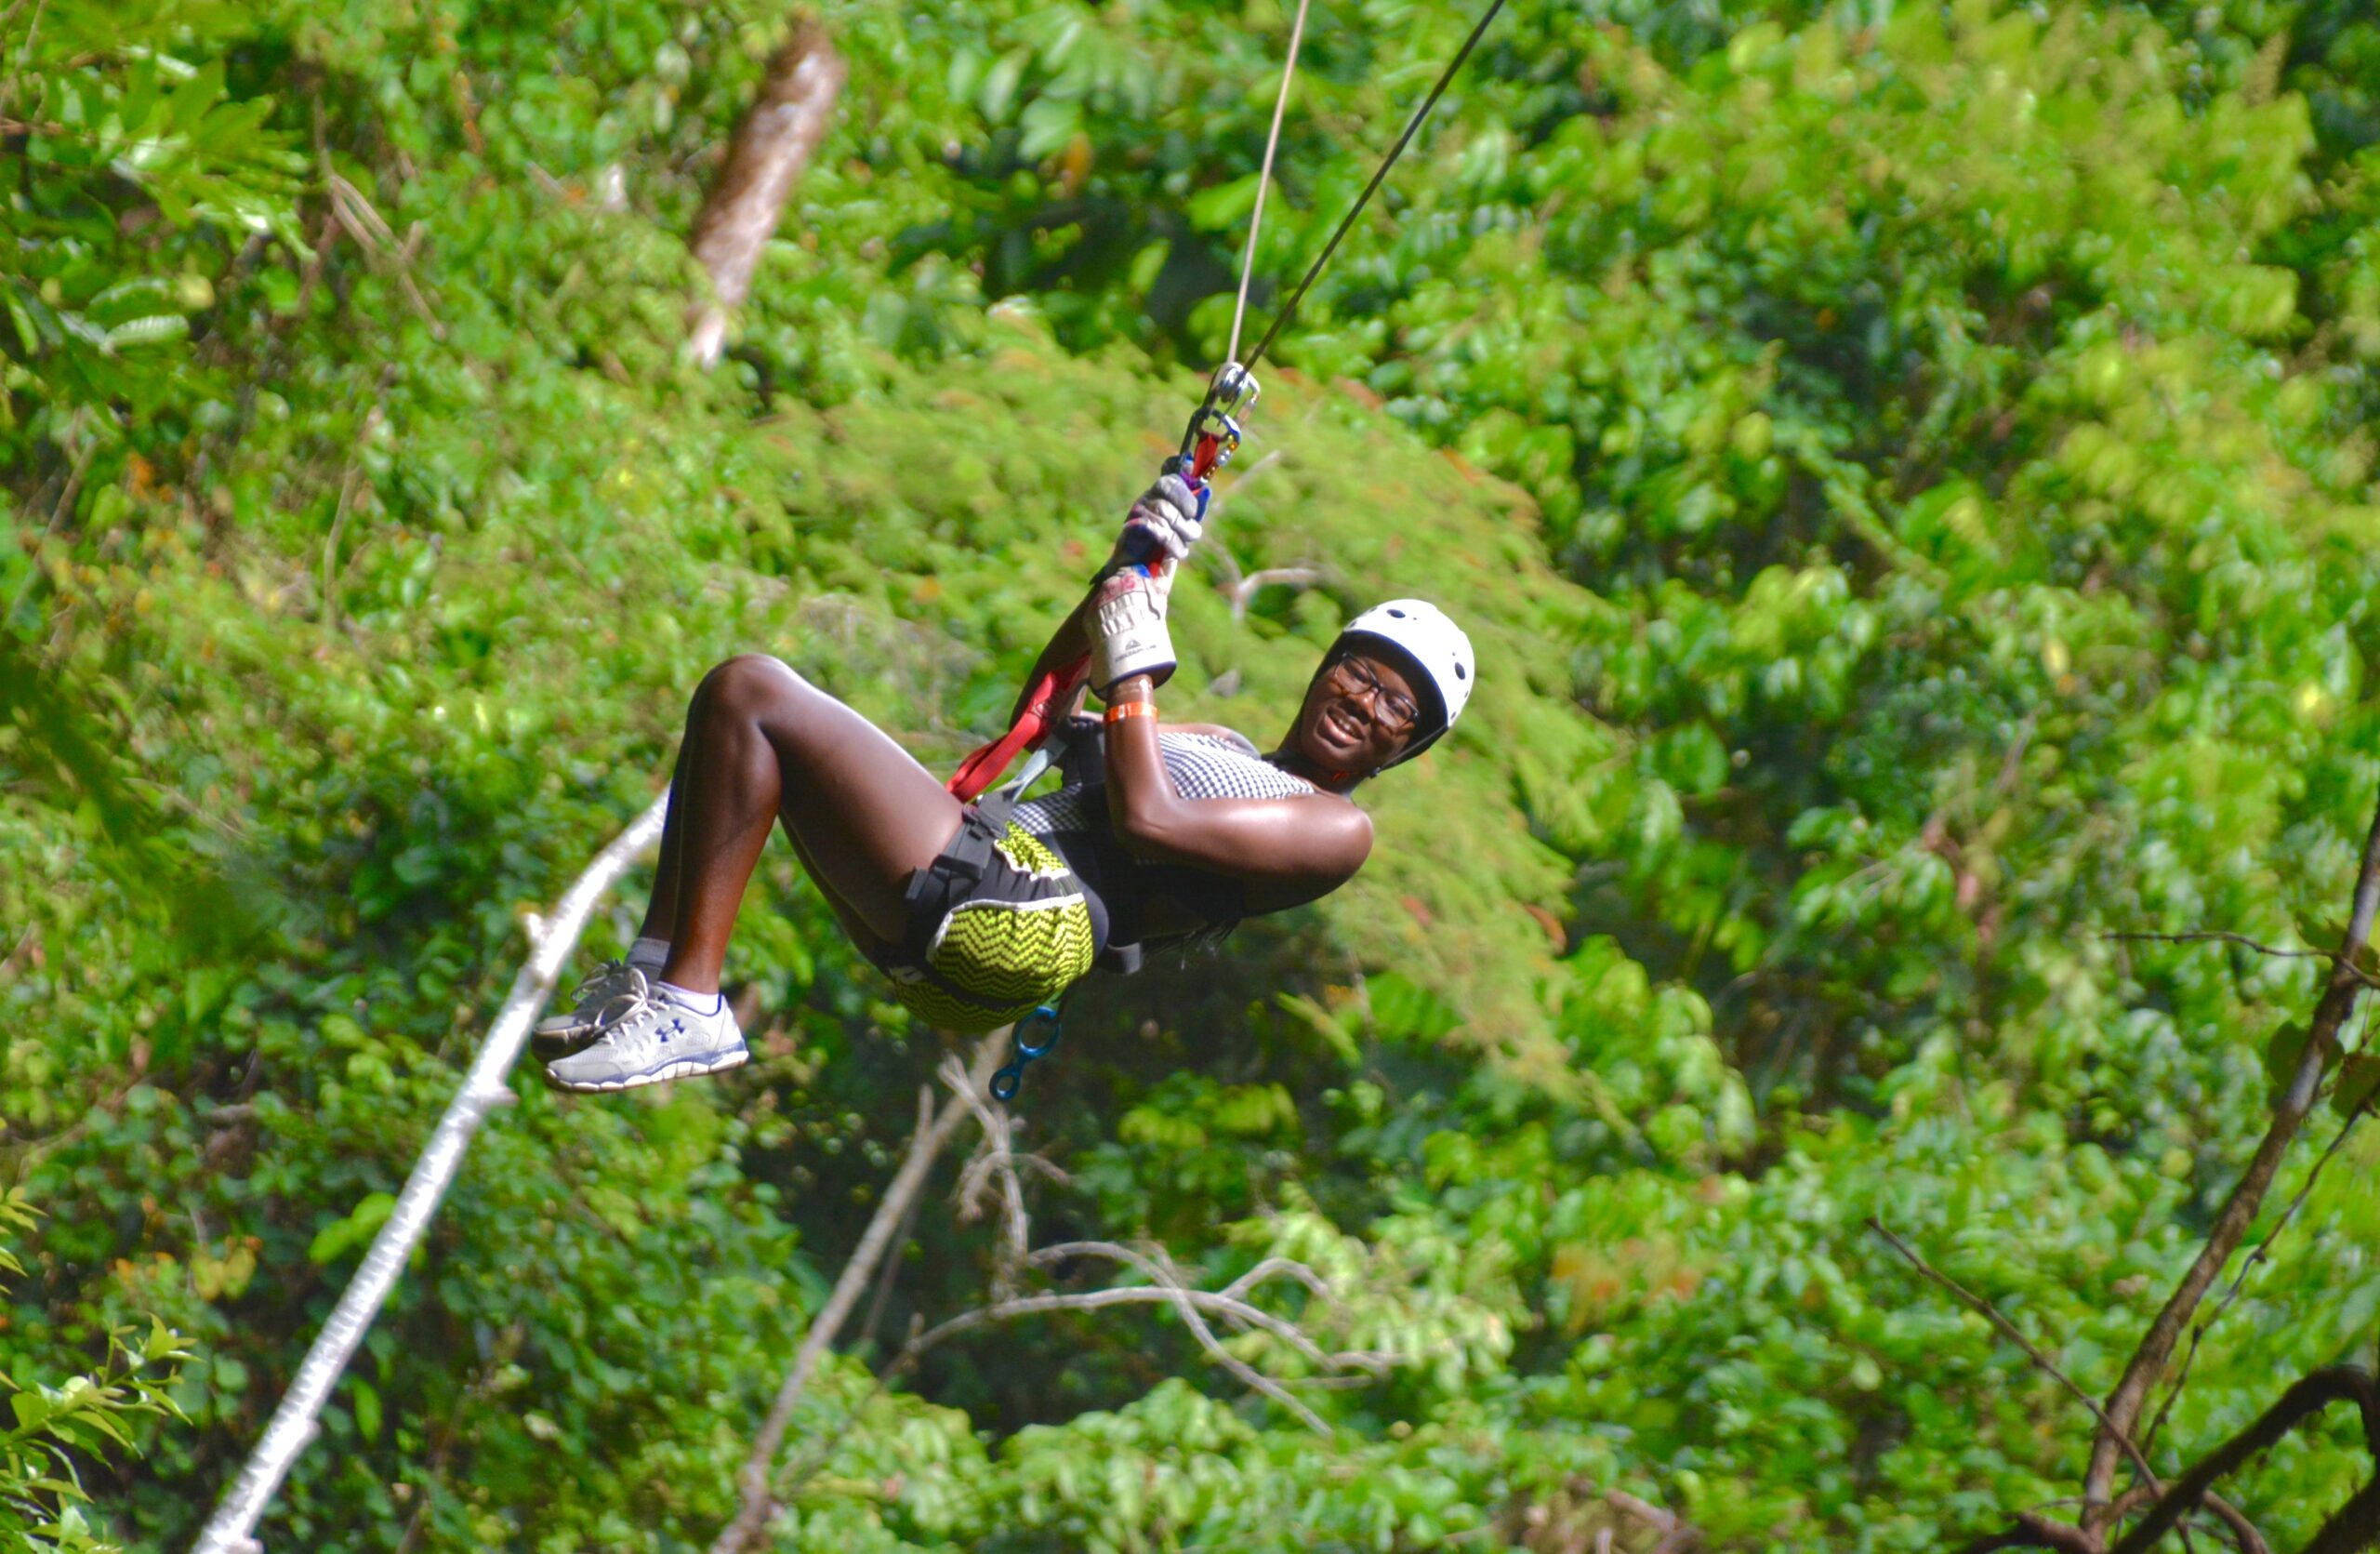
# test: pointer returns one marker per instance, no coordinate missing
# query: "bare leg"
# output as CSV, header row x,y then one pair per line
x,y
661,910
763,744
661,913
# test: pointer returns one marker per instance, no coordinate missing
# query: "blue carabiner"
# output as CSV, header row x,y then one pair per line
x,y
1011,1076
1046,1015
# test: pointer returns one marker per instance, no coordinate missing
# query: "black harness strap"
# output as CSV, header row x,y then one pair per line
x,y
963,863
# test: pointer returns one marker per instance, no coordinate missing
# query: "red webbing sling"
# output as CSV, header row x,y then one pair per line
x,y
1210,440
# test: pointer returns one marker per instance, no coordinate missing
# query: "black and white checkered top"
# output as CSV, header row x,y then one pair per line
x,y
1202,766
1074,821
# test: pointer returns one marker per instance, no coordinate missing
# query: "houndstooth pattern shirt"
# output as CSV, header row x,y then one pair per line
x,y
1200,766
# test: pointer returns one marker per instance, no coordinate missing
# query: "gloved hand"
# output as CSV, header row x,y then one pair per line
x,y
1126,623
1164,523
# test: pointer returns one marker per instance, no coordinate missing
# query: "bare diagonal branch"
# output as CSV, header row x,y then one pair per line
x,y
2249,1265
2009,1331
2238,1212
2309,1397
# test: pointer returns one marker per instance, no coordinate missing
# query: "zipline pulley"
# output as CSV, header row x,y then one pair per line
x,y
1213,434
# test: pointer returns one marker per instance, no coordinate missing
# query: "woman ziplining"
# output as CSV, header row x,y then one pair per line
x,y
977,910
983,914
980,914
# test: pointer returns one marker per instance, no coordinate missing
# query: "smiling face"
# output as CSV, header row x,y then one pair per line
x,y
1358,714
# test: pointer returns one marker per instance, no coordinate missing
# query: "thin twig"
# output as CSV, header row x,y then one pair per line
x,y
1675,1532
8,962
934,1127
359,216
347,489
2219,936
1243,592
25,51
1157,1265
65,506
2244,1532
2008,1330
1222,493
902,1234
10,14
1167,1287
362,221
1160,1271
996,1158
1278,1267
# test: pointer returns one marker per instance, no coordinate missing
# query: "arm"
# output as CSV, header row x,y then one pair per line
x,y
1312,844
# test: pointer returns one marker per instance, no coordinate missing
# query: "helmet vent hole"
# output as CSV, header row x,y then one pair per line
x,y
1460,673
1396,615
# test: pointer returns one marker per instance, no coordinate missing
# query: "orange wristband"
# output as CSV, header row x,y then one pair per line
x,y
1118,711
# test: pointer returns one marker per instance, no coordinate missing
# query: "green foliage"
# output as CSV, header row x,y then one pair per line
x,y
53,1430
1906,472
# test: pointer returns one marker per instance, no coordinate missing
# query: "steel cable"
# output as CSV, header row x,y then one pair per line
x,y
1413,126
1264,180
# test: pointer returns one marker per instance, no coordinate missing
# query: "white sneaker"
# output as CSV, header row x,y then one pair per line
x,y
609,991
659,1036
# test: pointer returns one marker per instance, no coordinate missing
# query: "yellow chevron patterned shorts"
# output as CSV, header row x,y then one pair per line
x,y
988,951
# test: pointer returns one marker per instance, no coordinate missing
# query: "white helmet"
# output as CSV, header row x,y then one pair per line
x,y
1422,633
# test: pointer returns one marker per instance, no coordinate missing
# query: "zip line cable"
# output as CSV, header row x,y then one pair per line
x,y
1264,180
1413,126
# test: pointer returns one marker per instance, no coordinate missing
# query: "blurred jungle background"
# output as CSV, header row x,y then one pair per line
x,y
1908,467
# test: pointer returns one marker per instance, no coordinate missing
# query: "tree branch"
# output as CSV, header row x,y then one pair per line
x,y
2309,1397
2036,1530
1675,1534
2031,1528
771,150
994,1158
1243,592
2354,1526
933,1131
1167,1287
2009,1331
890,1274
2254,1259
2238,1212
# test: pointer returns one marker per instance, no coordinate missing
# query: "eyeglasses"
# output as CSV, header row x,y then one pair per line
x,y
1392,712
